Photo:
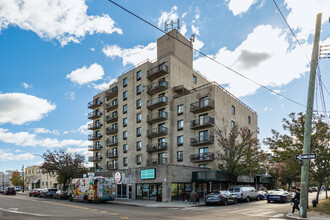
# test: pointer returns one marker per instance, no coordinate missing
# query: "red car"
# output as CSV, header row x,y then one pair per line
x,y
35,193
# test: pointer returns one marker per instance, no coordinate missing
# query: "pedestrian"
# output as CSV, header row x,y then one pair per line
x,y
197,197
295,200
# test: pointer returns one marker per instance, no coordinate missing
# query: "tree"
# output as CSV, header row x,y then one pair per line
x,y
65,166
240,153
16,179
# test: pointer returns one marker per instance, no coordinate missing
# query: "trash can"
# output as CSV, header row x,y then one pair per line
x,y
314,202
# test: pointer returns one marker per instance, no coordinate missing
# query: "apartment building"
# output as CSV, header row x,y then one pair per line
x,y
154,126
34,178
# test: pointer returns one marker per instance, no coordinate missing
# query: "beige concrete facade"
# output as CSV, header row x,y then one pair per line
x,y
36,179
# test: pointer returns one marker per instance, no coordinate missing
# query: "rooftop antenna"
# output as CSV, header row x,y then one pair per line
x,y
192,38
172,25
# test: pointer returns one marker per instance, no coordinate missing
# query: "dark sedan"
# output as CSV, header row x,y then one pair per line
x,y
279,196
220,197
10,191
60,194
48,193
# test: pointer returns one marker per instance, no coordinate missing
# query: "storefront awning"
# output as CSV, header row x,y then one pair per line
x,y
209,176
35,181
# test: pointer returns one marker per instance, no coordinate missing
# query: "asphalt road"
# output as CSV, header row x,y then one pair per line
x,y
24,207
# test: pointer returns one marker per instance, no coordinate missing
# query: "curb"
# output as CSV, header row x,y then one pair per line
x,y
154,206
293,217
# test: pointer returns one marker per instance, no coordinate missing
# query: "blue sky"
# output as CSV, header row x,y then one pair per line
x,y
55,55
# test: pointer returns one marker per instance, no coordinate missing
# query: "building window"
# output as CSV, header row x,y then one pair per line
x,y
125,95
125,161
138,103
114,114
124,109
114,102
180,125
125,148
138,132
233,111
125,82
125,135
138,159
249,131
180,156
194,79
203,165
138,118
180,140
249,119
180,109
138,145
124,122
138,75
233,124
138,89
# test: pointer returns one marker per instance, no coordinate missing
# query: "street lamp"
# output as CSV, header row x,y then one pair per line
x,y
46,173
23,178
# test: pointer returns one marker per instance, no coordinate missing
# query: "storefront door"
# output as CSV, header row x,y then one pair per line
x,y
122,192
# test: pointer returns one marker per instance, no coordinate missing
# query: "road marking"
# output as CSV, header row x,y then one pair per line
x,y
279,215
264,213
24,213
124,217
240,210
104,211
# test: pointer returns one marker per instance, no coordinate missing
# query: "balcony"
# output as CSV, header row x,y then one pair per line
x,y
94,115
157,102
94,158
203,122
202,106
111,106
111,93
94,126
157,71
112,166
156,147
202,140
156,132
94,104
111,118
111,143
93,137
109,131
112,155
156,161
157,117
94,147
203,157
157,87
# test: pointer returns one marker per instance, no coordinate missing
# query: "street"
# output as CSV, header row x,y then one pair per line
x,y
24,207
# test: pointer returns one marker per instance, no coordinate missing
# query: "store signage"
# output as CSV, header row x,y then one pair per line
x,y
148,174
117,177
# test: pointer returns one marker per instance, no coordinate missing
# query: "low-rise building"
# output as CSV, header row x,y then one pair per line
x,y
35,178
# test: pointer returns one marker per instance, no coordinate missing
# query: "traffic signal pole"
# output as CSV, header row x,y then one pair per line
x,y
308,122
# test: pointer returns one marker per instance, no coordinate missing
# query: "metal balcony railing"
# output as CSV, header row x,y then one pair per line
x,y
94,126
202,140
94,114
203,122
157,71
156,132
94,104
157,147
111,106
111,118
110,143
202,157
113,130
112,166
157,117
94,147
156,161
111,93
94,158
157,102
157,87
202,105
93,137
113,154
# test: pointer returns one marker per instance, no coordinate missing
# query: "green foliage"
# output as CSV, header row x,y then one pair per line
x,y
16,179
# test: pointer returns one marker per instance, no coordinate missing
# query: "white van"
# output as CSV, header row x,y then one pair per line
x,y
245,193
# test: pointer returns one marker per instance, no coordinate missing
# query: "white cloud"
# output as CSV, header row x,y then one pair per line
x,y
70,95
103,86
168,16
26,85
19,108
5,156
257,59
85,74
195,30
133,55
65,21
26,139
92,49
45,131
267,109
184,14
239,7
183,29
83,129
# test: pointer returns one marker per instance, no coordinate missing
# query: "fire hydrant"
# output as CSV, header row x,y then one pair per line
x,y
314,202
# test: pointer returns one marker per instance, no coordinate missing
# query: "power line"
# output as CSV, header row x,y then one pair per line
x,y
205,55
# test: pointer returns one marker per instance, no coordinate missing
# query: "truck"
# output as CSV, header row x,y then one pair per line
x,y
97,189
244,193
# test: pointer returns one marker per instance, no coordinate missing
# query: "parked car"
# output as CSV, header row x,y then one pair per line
x,y
34,193
279,195
60,194
1,190
17,188
48,193
10,191
244,193
262,194
221,197
314,189
310,189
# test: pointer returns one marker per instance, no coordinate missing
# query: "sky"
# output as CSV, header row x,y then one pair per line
x,y
55,55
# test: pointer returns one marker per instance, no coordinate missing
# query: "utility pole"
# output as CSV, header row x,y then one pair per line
x,y
23,178
308,122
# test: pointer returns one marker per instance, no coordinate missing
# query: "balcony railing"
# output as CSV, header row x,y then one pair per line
x,y
203,122
157,147
113,166
157,117
94,115
202,140
111,118
157,71
202,106
109,131
112,154
94,126
157,87
93,137
156,161
202,157
94,158
111,143
94,104
111,106
157,102
94,147
111,93
156,132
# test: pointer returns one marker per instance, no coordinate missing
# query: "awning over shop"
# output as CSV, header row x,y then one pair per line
x,y
208,175
35,181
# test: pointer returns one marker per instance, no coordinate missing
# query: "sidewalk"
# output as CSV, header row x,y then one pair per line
x,y
154,204
310,216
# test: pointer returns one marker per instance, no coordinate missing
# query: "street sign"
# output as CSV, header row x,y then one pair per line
x,y
305,156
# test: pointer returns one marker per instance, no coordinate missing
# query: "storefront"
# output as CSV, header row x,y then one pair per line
x,y
124,191
151,191
180,191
